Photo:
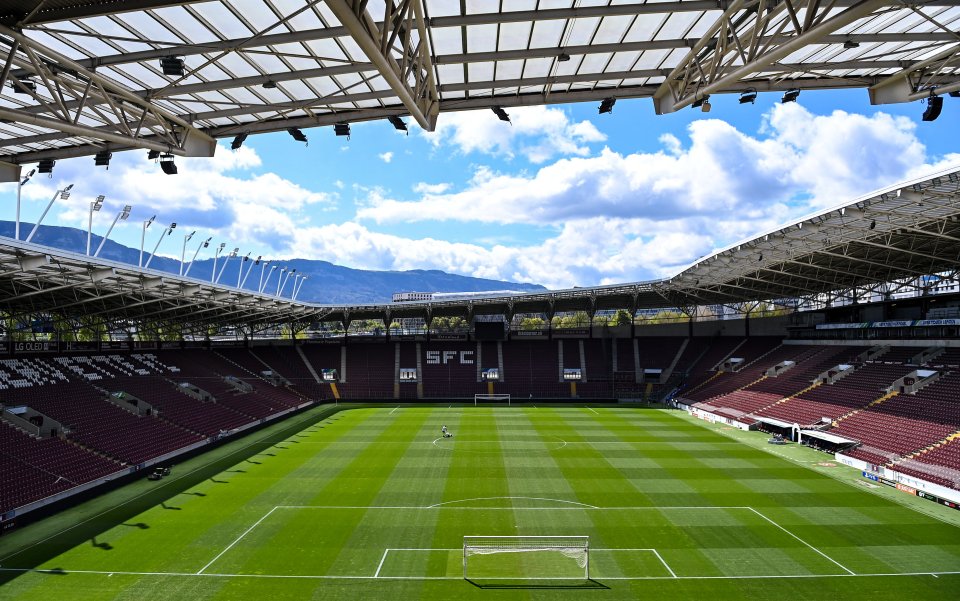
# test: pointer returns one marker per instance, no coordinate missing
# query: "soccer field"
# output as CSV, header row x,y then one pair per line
x,y
371,503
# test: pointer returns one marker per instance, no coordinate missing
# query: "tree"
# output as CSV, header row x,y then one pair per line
x,y
622,318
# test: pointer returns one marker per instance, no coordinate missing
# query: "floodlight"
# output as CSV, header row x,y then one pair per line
x,y
397,122
23,86
102,158
749,96
563,57
98,203
126,212
46,166
342,129
270,85
153,155
703,103
955,94
238,141
297,134
790,96
873,224
850,44
501,114
167,164
606,106
172,65
934,106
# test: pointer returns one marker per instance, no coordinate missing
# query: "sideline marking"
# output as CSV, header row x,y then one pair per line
x,y
246,532
832,560
60,572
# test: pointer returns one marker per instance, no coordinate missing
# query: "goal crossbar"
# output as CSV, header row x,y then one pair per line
x,y
493,398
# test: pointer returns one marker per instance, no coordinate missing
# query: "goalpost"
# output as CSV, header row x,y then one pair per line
x,y
491,398
526,557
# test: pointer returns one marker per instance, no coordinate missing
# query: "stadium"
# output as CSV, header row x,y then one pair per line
x,y
778,419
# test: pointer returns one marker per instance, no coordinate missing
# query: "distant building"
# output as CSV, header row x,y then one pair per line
x,y
404,297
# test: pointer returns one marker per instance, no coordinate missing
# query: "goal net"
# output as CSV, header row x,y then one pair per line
x,y
491,398
526,557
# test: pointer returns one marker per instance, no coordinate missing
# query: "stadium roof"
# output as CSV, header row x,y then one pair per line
x,y
905,233
85,76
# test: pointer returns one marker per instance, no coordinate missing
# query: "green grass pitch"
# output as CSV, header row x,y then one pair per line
x,y
369,503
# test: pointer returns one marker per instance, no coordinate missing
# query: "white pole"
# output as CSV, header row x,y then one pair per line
x,y
240,271
183,253
262,269
65,194
121,215
163,234
23,182
244,282
225,261
143,237
203,244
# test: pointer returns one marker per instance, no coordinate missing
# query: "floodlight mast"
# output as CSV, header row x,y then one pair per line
x,y
296,291
163,235
240,270
284,285
279,280
143,236
216,255
223,268
262,283
183,253
257,262
95,206
203,244
121,216
64,194
20,185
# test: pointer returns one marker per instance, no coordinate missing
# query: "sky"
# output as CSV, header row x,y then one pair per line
x,y
562,196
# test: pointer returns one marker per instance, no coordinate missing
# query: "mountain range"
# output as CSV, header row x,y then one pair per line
x,y
326,282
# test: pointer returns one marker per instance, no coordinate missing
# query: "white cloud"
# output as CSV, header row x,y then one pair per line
x,y
798,160
425,188
386,157
537,133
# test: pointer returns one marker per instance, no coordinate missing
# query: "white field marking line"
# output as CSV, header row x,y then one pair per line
x,y
394,409
442,506
60,571
832,560
582,505
591,409
380,565
230,546
669,569
654,551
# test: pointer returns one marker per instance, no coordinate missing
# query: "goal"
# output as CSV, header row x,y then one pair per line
x,y
526,557
491,398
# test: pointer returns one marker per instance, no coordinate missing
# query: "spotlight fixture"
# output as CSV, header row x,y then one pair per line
x,y
297,134
342,129
238,141
153,155
270,85
46,166
790,96
850,44
702,103
873,224
606,106
397,123
501,114
934,106
749,96
23,86
172,66
102,158
955,94
563,57
167,164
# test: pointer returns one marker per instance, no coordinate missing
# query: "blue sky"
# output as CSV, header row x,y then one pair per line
x,y
561,197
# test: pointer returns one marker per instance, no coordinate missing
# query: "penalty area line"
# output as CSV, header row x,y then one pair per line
x,y
591,409
230,546
818,551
